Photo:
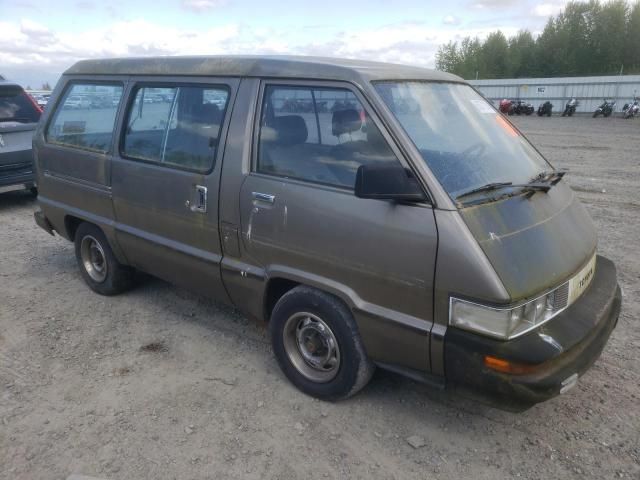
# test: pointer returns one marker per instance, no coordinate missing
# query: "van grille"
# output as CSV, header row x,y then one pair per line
x,y
561,297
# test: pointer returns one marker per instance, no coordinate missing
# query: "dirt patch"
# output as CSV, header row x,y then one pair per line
x,y
155,347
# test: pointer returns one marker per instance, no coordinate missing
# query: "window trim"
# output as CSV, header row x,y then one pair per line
x,y
321,84
135,86
60,101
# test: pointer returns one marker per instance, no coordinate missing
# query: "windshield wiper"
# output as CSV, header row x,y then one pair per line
x,y
527,188
484,188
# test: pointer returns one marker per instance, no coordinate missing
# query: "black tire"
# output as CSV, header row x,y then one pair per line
x,y
117,277
354,369
595,114
571,113
34,191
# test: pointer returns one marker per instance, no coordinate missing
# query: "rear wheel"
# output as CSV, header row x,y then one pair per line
x,y
98,265
316,342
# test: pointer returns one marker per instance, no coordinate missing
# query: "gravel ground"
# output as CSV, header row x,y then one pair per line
x,y
160,383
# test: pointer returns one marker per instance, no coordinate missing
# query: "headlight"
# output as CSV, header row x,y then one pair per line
x,y
509,322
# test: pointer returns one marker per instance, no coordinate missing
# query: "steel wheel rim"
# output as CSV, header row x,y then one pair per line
x,y
93,259
311,347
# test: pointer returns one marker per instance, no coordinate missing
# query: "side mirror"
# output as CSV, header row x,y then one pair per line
x,y
387,182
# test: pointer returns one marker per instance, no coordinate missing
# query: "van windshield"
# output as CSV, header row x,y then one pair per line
x,y
465,142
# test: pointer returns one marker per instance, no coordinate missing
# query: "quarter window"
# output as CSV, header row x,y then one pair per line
x,y
176,126
320,135
85,117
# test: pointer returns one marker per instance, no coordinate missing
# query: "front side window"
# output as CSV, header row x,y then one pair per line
x,y
465,142
321,135
85,117
176,126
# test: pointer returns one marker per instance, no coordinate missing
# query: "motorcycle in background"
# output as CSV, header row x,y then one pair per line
x,y
570,108
606,109
632,109
506,107
545,109
523,108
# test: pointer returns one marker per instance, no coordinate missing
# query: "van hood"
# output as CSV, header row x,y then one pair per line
x,y
533,243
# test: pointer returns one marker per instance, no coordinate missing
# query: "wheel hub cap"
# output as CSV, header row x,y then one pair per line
x,y
312,347
93,259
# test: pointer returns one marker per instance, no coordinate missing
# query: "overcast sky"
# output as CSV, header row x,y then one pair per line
x,y
41,38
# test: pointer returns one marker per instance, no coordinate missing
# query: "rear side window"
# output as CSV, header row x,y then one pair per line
x,y
177,126
321,135
17,106
85,117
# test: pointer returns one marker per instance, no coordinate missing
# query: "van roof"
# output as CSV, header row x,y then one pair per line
x,y
260,66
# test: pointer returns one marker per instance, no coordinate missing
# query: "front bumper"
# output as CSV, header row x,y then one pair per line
x,y
552,355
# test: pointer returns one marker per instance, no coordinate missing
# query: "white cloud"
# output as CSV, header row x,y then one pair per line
x,y
491,4
451,20
31,52
202,5
548,9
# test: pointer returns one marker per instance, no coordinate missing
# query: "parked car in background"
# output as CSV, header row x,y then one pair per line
x,y
19,115
372,214
77,102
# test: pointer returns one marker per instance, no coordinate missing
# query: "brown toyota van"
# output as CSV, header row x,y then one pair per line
x,y
371,214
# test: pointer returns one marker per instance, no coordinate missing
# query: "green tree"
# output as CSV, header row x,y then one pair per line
x,y
521,60
607,41
493,55
632,40
447,58
586,38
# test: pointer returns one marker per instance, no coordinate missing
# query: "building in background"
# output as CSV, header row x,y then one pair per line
x,y
589,91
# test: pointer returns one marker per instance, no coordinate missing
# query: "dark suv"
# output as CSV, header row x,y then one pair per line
x,y
19,115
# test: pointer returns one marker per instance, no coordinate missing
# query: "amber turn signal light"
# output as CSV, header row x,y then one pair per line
x,y
505,366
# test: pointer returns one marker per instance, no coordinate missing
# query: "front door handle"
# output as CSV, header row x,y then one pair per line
x,y
264,197
199,203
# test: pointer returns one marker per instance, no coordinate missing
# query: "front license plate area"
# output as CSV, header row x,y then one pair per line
x,y
582,280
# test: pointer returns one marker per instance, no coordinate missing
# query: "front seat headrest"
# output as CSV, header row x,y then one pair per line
x,y
285,130
345,121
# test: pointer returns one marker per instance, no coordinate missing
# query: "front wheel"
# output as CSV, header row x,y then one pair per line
x,y
98,265
595,114
316,342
